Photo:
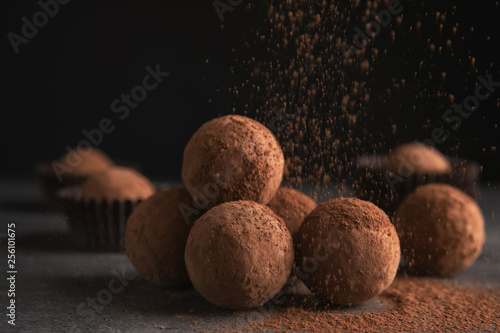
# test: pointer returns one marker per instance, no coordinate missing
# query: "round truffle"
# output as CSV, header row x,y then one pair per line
x,y
232,158
239,255
292,206
83,164
347,251
117,183
156,236
441,229
417,158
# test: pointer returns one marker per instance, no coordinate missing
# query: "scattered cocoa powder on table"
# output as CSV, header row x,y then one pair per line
x,y
421,304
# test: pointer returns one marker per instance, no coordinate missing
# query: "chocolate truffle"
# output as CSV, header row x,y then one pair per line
x,y
156,237
441,229
239,255
348,251
76,164
292,206
417,158
117,183
232,158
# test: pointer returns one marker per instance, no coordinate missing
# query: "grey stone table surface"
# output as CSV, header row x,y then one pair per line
x,y
61,289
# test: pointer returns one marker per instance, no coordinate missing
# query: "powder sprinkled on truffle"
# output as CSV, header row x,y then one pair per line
x,y
156,237
232,158
441,229
239,255
353,249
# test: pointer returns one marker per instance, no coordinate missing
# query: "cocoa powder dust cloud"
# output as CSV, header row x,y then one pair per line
x,y
327,108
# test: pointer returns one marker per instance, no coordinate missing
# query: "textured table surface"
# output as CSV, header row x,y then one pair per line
x,y
57,287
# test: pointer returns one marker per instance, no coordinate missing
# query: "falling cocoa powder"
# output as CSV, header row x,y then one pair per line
x,y
307,90
327,107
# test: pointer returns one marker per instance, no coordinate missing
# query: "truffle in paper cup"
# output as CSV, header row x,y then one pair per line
x,y
386,189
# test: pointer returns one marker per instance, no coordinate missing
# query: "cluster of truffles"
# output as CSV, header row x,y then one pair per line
x,y
235,234
217,233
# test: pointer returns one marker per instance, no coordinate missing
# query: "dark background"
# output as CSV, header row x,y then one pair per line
x,y
64,80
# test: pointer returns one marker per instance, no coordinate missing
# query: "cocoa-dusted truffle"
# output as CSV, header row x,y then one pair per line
x,y
441,229
417,158
239,254
292,206
117,183
83,164
156,237
348,251
232,158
